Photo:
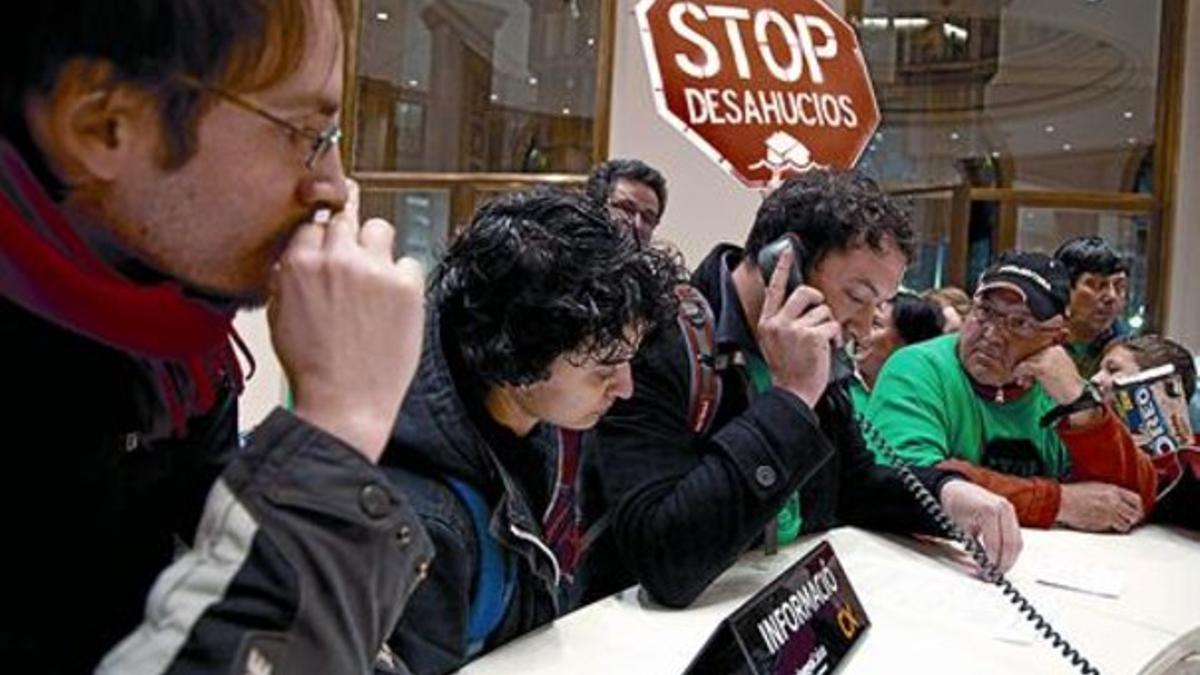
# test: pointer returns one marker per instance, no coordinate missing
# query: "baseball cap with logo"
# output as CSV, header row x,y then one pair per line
x,y
1041,281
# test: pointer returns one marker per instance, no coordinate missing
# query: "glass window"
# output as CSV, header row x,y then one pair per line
x,y
932,215
421,218
469,86
1055,96
1043,230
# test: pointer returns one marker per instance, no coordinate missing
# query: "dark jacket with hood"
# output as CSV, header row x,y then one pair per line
x,y
684,506
443,432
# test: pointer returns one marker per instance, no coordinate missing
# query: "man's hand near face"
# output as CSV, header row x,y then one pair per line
x,y
1058,375
346,320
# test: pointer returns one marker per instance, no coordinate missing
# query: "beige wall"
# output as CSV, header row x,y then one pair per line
x,y
1183,317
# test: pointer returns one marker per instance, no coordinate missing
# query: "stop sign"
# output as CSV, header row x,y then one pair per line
x,y
764,88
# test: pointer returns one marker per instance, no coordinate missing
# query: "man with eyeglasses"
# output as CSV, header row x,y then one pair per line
x,y
634,193
164,163
1002,403
1099,287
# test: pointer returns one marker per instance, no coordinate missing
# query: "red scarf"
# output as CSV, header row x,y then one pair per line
x,y
48,269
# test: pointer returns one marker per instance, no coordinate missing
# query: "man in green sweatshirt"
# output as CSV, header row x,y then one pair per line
x,y
1003,403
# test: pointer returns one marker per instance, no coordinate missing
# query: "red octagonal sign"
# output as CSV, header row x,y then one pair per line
x,y
765,88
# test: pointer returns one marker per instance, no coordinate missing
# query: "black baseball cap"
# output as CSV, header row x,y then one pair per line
x,y
1041,281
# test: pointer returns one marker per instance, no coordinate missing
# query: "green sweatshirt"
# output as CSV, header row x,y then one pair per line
x,y
925,407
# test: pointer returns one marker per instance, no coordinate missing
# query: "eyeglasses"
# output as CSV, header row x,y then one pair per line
x,y
631,209
320,142
1018,325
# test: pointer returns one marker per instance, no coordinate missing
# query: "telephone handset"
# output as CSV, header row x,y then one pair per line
x,y
840,366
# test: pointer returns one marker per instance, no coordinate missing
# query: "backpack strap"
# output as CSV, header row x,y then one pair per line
x,y
495,577
698,325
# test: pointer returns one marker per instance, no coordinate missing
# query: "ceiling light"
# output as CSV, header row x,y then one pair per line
x,y
1128,114
381,16
1066,147
901,22
1049,128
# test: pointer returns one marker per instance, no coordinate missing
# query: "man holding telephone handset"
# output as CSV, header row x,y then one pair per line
x,y
781,455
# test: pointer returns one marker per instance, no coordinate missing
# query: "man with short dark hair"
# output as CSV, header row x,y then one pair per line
x,y
1002,403
160,167
1099,289
780,454
535,313
634,193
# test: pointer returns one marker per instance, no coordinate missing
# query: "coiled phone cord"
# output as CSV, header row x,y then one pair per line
x,y
993,575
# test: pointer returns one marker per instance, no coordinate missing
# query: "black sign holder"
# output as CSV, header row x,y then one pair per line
x,y
803,623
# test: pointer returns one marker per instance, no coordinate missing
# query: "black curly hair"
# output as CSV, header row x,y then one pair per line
x,y
544,273
831,211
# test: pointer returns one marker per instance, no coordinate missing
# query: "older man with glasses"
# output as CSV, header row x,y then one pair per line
x,y
1003,403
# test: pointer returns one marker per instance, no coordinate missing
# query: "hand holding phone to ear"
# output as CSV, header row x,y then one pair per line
x,y
795,332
